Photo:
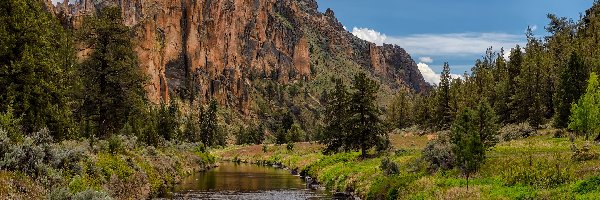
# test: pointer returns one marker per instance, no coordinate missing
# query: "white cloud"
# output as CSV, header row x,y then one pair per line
x,y
534,27
369,35
426,59
430,76
446,45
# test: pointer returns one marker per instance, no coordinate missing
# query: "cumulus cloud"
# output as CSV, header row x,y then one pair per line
x,y
369,35
426,59
449,44
430,76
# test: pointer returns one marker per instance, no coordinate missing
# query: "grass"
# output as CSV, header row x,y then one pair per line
x,y
537,167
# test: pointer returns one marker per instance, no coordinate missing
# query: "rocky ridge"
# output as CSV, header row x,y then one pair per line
x,y
214,48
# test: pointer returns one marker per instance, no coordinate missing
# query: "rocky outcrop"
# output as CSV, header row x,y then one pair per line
x,y
212,48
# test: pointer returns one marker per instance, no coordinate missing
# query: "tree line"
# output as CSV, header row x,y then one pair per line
x,y
538,83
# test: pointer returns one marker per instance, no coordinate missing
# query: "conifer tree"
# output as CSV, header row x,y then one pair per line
x,y
366,129
443,104
335,137
37,62
571,86
209,127
113,83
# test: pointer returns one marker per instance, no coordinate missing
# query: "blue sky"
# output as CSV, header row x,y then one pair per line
x,y
457,31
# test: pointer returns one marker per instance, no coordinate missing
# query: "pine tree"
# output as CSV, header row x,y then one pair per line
x,y
335,137
443,104
366,129
399,115
37,61
570,88
112,80
209,127
468,147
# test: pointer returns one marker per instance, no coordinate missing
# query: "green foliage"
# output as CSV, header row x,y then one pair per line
x,y
399,115
592,184
295,134
290,146
468,146
111,77
539,173
210,131
36,68
10,124
438,153
249,136
353,119
389,167
516,131
115,145
586,112
572,86
443,113
168,122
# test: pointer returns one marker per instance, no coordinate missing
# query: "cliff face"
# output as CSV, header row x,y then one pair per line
x,y
213,48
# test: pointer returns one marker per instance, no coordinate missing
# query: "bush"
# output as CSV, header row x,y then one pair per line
x,y
115,145
516,131
290,146
589,185
389,167
249,136
583,154
91,195
28,156
438,153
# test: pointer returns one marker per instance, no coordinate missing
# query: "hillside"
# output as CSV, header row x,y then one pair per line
x,y
218,49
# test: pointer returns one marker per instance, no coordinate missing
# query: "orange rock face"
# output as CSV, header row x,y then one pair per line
x,y
210,48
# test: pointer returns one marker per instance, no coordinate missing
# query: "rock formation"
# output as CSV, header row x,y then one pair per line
x,y
211,48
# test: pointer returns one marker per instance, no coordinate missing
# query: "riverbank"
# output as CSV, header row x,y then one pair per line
x,y
539,167
118,168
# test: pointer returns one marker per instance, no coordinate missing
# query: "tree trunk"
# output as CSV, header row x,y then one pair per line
x,y
467,182
364,151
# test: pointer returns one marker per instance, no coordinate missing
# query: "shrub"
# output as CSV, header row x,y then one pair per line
x,y
28,157
290,146
438,153
516,131
115,145
583,154
59,194
91,195
389,167
67,157
591,184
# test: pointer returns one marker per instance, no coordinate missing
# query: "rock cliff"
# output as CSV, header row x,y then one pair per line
x,y
215,48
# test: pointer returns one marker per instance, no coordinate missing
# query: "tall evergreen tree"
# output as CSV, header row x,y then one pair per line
x,y
472,134
113,83
366,129
399,115
335,137
37,61
570,88
209,126
443,104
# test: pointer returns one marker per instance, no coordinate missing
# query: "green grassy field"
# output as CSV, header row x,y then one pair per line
x,y
539,167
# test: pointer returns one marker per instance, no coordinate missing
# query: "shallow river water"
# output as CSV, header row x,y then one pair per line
x,y
245,181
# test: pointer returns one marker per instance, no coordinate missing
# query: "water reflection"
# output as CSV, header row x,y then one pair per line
x,y
245,181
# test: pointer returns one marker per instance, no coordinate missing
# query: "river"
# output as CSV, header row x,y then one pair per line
x,y
245,181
